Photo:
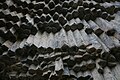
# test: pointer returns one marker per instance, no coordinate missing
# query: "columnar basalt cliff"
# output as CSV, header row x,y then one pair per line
x,y
59,39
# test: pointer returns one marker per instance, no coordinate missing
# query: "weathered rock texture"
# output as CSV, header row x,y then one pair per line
x,y
59,40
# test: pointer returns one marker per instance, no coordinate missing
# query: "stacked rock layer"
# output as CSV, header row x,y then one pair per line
x,y
59,40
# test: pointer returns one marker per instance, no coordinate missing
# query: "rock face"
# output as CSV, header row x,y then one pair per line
x,y
59,40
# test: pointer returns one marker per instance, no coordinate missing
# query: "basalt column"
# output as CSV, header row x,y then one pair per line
x,y
59,39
